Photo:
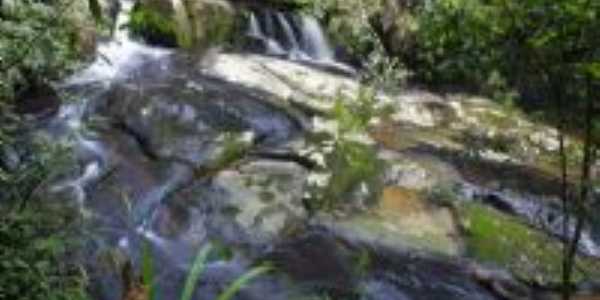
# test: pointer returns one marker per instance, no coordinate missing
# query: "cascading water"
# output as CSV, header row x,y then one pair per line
x,y
119,55
313,39
145,174
296,36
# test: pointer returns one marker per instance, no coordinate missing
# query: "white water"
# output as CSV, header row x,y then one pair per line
x,y
309,44
253,27
314,39
291,39
115,58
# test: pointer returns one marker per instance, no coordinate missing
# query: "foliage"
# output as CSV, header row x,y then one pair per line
x,y
503,44
242,281
203,257
37,41
34,251
197,268
346,162
153,26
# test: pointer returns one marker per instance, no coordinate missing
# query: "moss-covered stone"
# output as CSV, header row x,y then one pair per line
x,y
186,24
403,220
212,22
530,254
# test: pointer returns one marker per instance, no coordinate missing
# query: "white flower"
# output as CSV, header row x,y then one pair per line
x,y
318,179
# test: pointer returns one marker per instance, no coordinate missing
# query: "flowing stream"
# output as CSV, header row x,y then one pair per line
x,y
150,126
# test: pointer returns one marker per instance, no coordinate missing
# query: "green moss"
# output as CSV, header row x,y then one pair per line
x,y
153,27
531,255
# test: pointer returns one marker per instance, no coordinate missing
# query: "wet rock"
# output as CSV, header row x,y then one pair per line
x,y
422,109
418,172
404,172
546,139
426,277
263,197
284,79
403,220
196,121
318,260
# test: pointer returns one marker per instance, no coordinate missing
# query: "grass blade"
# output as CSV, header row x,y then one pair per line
x,y
242,281
196,271
148,274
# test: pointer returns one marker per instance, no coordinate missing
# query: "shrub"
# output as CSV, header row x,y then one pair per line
x,y
37,41
35,257
499,45
347,172
153,27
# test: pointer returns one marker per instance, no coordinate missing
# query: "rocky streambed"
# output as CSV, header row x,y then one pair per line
x,y
350,193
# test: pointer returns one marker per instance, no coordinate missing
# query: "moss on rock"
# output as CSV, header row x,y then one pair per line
x,y
530,254
185,24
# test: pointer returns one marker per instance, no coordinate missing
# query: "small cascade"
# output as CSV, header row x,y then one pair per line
x,y
291,40
116,57
299,37
254,28
314,40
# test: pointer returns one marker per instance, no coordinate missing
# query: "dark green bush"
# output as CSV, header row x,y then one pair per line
x,y
503,44
153,27
34,258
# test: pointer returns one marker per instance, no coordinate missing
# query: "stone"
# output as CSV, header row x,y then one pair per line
x,y
197,122
423,109
264,197
403,220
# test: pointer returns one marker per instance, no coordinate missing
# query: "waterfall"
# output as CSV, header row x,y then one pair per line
x,y
292,41
253,27
314,40
299,37
118,56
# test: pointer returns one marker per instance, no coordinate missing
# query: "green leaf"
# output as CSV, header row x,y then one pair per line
x,y
242,281
148,274
196,271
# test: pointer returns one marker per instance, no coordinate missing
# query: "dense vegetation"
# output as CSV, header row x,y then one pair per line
x,y
40,41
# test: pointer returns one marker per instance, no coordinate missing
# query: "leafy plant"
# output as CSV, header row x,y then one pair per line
x,y
152,26
195,273
34,257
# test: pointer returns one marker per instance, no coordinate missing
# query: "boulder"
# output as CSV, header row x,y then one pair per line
x,y
403,221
